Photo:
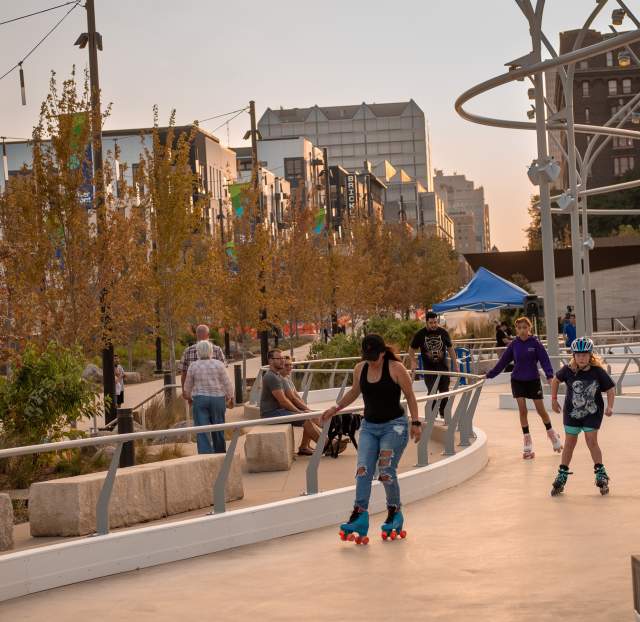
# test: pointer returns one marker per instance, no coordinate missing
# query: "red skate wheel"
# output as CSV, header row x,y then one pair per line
x,y
365,540
343,535
403,534
384,535
358,539
351,537
393,535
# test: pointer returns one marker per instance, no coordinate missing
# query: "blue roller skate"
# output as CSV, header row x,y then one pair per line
x,y
602,479
392,527
356,528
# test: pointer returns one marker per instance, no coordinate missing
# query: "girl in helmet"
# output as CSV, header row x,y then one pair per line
x,y
584,408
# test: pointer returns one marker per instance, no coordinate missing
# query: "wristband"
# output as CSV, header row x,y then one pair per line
x,y
338,408
416,422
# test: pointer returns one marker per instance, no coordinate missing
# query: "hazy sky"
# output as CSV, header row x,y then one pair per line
x,y
206,57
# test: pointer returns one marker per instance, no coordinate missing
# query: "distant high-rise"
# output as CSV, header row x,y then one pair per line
x,y
470,214
357,133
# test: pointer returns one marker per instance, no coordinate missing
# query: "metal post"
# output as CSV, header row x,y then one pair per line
x,y
237,378
168,391
125,426
264,334
314,461
102,507
548,261
227,343
221,481
158,369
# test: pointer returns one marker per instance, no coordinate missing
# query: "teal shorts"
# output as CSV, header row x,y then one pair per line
x,y
575,430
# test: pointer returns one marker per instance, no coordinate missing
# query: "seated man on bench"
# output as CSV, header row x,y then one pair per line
x,y
275,403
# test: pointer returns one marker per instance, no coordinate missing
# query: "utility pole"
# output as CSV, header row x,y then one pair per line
x,y
264,334
330,232
94,42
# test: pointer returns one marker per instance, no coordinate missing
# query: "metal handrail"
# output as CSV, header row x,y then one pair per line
x,y
462,420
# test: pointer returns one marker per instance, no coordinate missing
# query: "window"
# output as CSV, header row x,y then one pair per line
x,y
609,59
622,165
622,142
584,64
613,87
586,114
585,89
293,168
626,86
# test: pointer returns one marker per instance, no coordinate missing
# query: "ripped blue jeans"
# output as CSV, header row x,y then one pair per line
x,y
381,444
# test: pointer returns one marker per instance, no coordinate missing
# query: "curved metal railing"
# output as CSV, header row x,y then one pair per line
x,y
464,396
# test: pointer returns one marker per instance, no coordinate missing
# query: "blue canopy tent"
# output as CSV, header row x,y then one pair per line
x,y
484,292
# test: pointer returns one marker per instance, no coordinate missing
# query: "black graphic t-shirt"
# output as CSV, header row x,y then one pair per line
x,y
583,405
433,346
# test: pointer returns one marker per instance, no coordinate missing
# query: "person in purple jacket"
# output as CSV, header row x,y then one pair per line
x,y
526,352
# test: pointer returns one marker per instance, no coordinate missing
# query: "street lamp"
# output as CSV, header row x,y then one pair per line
x,y
543,170
617,15
624,58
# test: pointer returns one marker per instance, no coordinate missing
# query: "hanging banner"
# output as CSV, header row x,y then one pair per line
x,y
319,221
237,199
81,155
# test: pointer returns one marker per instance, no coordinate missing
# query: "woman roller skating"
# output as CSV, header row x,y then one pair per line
x,y
384,434
527,351
583,409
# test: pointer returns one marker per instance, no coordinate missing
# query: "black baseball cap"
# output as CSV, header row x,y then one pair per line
x,y
372,346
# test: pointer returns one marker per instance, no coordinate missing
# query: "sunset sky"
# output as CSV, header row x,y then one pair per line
x,y
204,58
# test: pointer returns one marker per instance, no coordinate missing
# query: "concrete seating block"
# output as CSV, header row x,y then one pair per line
x,y
269,448
6,523
189,481
67,507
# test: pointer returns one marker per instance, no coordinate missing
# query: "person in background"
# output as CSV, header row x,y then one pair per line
x,y
119,374
190,354
208,386
527,351
275,403
434,344
503,339
569,330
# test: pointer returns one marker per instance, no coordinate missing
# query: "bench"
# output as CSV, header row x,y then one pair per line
x,y
6,522
67,506
269,448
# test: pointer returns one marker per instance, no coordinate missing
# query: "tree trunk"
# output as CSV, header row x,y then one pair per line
x,y
172,353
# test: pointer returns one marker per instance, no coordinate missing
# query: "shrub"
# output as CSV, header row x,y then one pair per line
x,y
39,403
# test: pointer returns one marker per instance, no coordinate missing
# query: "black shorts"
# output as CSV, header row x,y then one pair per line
x,y
531,389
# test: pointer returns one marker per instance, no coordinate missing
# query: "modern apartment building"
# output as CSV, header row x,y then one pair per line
x,y
466,206
296,159
214,165
600,88
354,134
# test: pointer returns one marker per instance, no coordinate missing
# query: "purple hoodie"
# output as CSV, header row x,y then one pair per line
x,y
526,355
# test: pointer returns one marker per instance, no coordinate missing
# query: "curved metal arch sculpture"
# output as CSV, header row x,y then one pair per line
x,y
574,200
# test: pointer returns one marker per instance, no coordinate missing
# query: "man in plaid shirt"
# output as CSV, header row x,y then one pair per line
x,y
190,354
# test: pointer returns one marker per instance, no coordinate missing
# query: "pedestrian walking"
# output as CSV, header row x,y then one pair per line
x,y
209,388
119,376
527,352
190,354
434,344
380,377
584,408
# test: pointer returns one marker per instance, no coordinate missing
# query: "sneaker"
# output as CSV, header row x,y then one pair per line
x,y
554,437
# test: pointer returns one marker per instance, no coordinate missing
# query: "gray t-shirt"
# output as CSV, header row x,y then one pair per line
x,y
270,382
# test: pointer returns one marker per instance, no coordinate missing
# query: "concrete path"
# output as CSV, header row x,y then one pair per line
x,y
497,548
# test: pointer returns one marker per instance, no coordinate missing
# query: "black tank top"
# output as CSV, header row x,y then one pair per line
x,y
382,398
